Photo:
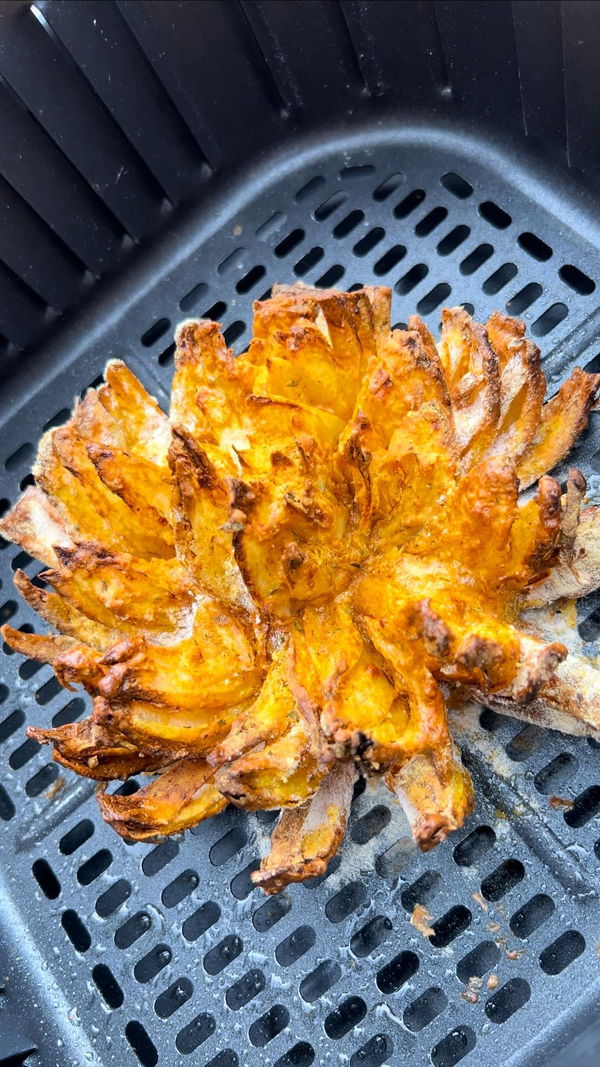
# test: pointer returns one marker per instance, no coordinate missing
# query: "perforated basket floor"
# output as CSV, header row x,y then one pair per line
x,y
116,954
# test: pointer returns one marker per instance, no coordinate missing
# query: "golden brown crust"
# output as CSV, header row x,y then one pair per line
x,y
279,585
562,421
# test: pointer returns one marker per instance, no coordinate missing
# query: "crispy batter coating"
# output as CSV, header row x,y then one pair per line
x,y
283,583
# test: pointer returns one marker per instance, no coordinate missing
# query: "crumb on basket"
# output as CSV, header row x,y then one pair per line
x,y
420,920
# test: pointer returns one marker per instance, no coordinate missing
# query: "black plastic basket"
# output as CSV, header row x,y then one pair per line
x,y
166,160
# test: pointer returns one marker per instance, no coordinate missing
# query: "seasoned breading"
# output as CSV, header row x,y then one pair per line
x,y
285,582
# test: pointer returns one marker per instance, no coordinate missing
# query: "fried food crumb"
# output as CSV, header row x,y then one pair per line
x,y
477,897
492,982
420,920
560,802
55,788
471,991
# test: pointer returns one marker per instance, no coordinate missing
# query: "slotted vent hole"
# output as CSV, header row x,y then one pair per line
x,y
155,332
504,878
94,867
226,1058
107,986
308,261
331,276
75,930
21,561
478,962
233,260
495,215
271,912
491,720
42,780
389,259
7,808
556,774
453,240
11,724
368,242
242,884
245,989
411,279
295,945
300,1055
410,202
289,242
422,891
227,846
525,743
534,246
524,298
531,915
192,300
433,298
371,936
113,898
48,691
219,957
310,187
131,930
46,879
158,858
371,824
141,1044
327,208
562,952
21,457
476,259
173,998
549,319
453,1047
349,1014
453,923
320,980
425,1009
456,185
374,1052
397,972
269,1025
201,921
585,807
345,901
388,187
195,1033
152,963
474,846
24,753
29,668
70,713
507,1000
431,221
395,858
251,278
348,224
179,888
272,225
361,170
576,280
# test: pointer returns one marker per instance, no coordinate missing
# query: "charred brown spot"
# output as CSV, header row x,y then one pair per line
x,y
381,383
279,460
242,496
293,557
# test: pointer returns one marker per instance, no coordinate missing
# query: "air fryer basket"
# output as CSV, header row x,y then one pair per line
x,y
115,954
